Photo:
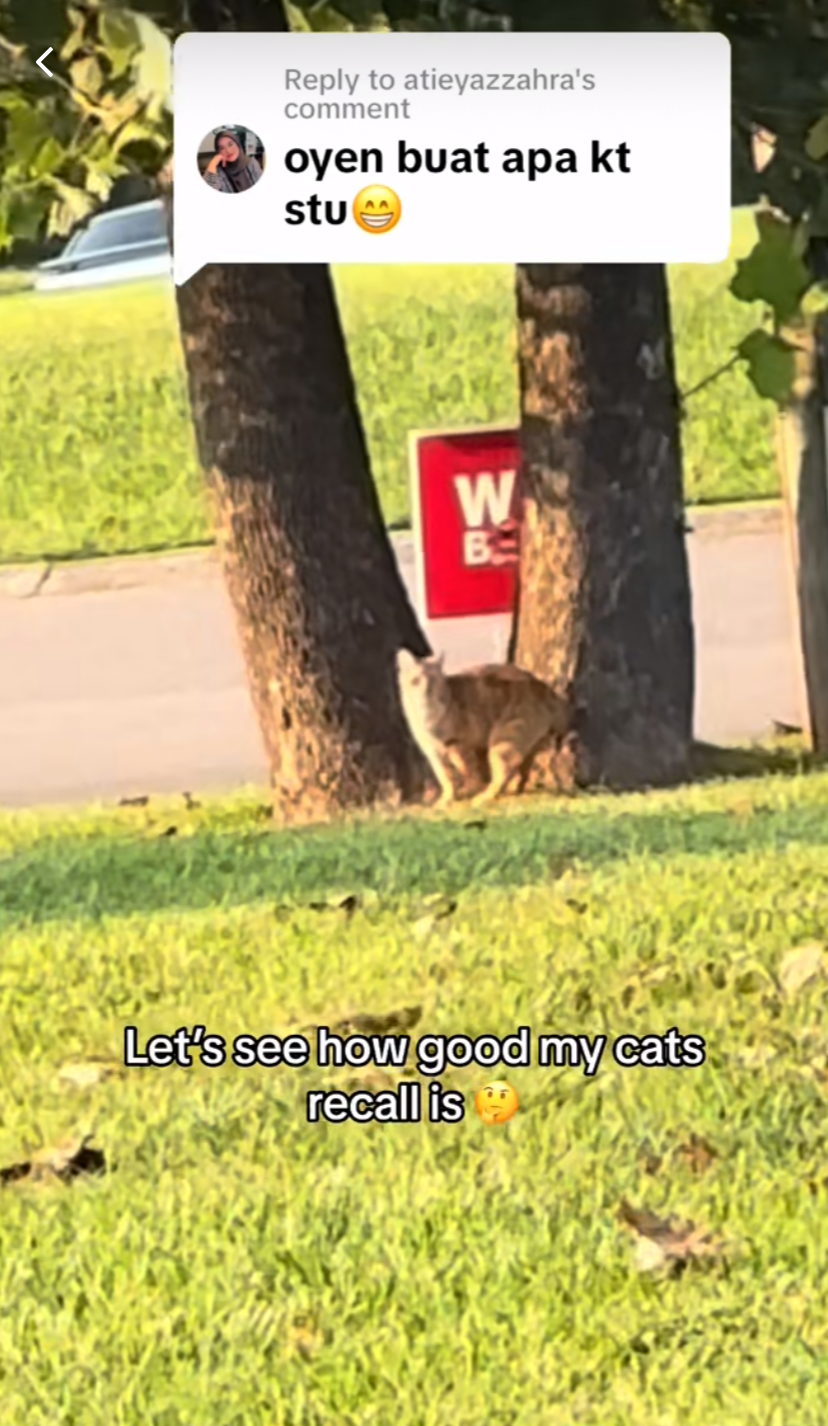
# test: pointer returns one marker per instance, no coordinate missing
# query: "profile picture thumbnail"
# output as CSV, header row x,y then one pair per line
x,y
231,158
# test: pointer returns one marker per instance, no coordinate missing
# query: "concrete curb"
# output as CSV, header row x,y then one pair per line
x,y
721,522
29,581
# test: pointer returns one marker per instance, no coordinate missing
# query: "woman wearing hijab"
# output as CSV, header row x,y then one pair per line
x,y
232,170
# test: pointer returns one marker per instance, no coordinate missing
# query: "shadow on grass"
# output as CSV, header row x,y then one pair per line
x,y
782,756
127,869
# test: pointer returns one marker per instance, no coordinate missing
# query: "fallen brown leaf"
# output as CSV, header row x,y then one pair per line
x,y
348,904
396,1021
645,978
64,1161
68,1159
440,907
305,1336
649,1161
365,1023
666,1244
432,910
12,1172
697,1154
786,730
801,967
133,801
87,1073
757,1057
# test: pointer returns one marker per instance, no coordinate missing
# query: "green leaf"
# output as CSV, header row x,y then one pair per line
x,y
774,272
119,39
11,99
25,212
100,159
73,205
295,16
771,365
134,132
48,158
77,38
28,129
98,184
87,76
361,13
112,114
815,301
153,68
327,19
816,142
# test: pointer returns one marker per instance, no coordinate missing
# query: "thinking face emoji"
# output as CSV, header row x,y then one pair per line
x,y
377,209
496,1102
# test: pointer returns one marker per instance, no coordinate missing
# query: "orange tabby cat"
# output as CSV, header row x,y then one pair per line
x,y
484,721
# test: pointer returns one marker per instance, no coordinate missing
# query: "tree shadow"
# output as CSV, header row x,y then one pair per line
x,y
128,871
711,762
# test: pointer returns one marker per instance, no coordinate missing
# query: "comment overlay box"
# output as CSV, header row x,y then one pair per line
x,y
490,148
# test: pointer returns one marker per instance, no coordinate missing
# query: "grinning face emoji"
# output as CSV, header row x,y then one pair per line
x,y
496,1102
377,209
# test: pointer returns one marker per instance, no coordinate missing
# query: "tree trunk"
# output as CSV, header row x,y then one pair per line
x,y
605,606
319,603
318,600
801,449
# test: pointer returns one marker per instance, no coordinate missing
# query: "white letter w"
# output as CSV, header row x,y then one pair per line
x,y
487,500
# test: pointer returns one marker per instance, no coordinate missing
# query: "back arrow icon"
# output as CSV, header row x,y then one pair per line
x,y
40,63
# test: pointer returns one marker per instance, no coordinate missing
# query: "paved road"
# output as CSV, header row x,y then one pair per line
x,y
126,678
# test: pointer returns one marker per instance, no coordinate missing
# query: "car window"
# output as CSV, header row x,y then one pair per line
x,y
128,227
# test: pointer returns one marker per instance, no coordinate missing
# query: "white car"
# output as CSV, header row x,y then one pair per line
x,y
123,245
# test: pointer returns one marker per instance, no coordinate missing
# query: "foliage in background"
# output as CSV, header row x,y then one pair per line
x,y
104,115
776,274
62,146
780,100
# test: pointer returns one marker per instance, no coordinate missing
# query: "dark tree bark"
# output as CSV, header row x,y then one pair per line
x,y
605,606
319,603
801,453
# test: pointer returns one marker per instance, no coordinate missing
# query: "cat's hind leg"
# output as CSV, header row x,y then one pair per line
x,y
469,766
504,763
511,743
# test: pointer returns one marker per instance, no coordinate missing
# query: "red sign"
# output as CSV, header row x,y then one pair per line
x,y
467,514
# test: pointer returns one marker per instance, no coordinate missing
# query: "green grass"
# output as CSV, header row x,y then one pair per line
x,y
15,280
97,453
447,1272
98,456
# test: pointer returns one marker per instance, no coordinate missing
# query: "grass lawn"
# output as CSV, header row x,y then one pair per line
x,y
98,457
240,1267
